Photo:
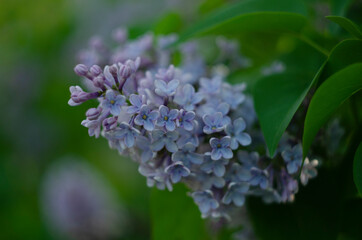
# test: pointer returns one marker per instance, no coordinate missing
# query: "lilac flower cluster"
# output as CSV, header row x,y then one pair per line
x,y
185,124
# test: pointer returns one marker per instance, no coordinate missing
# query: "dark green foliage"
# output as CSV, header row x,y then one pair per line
x,y
175,216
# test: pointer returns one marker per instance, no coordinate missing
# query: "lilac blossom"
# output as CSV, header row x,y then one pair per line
x,y
144,144
187,137
293,157
187,97
164,139
221,148
187,155
213,123
236,193
164,89
210,180
233,94
308,171
205,200
137,102
185,120
216,167
166,75
211,86
167,118
128,133
289,185
176,171
259,178
248,160
235,131
113,102
146,118
238,173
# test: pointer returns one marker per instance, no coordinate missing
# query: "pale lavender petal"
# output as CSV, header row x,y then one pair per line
x,y
132,109
146,156
148,125
244,139
195,158
172,135
175,178
226,153
188,126
157,145
225,141
219,170
115,110
216,154
171,146
163,110
189,116
239,125
129,140
157,134
208,120
173,84
136,100
160,84
223,108
173,114
170,126
197,98
207,130
139,120
214,142
153,115
239,200
234,143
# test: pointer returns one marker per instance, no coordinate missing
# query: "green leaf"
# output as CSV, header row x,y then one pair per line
x,y
277,97
339,7
251,15
208,6
329,96
175,215
348,25
169,23
342,55
357,169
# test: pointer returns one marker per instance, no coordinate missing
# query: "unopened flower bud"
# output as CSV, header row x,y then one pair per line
x,y
124,71
81,70
113,69
110,123
95,70
93,113
99,82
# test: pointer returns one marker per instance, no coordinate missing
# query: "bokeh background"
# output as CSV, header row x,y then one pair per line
x,y
38,43
40,135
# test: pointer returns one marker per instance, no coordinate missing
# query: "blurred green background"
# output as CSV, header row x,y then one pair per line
x,y
38,42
